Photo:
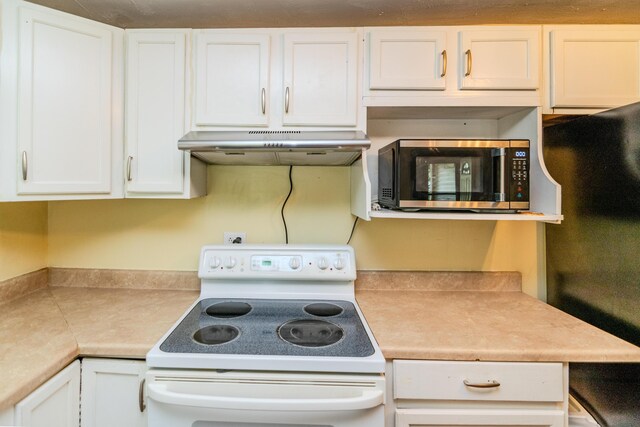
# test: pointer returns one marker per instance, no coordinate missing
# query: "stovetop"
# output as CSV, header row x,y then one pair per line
x,y
280,327
273,308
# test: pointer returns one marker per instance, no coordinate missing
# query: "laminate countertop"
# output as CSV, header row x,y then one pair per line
x,y
479,316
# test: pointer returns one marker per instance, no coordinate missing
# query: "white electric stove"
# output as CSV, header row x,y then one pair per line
x,y
275,338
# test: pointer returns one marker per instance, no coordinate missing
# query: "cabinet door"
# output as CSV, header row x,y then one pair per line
x,y
56,403
407,59
478,417
320,79
594,68
156,63
232,75
111,393
64,103
499,58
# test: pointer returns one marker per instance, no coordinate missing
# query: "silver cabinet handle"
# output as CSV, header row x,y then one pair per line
x,y
264,101
141,404
129,160
286,100
444,63
488,384
25,165
469,62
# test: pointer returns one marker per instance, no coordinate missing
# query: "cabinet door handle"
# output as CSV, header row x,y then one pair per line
x,y
25,165
129,160
488,384
141,404
263,100
469,62
444,63
286,100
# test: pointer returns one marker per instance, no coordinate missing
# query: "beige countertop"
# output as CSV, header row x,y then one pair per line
x,y
477,316
44,331
486,317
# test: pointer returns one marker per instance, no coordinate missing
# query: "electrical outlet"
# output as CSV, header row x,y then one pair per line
x,y
234,237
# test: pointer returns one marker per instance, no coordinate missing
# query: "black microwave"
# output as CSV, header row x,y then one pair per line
x,y
416,174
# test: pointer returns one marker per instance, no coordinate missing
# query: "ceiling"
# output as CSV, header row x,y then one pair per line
x,y
346,13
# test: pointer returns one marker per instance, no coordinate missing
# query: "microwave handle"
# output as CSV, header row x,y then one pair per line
x,y
501,195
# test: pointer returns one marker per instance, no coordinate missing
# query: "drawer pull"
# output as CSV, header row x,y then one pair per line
x,y
488,384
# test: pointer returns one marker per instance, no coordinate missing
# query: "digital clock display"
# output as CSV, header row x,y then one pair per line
x,y
266,263
521,154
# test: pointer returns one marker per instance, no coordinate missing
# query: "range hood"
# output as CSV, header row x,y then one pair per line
x,y
298,148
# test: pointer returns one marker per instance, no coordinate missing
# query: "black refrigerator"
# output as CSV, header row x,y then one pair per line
x,y
593,257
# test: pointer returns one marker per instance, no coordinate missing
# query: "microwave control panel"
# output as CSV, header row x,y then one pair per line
x,y
518,160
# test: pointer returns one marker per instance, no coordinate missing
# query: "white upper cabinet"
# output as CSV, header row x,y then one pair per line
x,y
408,59
156,116
452,66
499,58
65,138
592,67
320,78
276,78
232,78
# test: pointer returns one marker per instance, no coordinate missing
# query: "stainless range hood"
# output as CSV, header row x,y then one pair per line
x,y
298,148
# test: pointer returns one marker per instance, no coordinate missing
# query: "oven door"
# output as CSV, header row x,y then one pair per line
x,y
444,174
261,399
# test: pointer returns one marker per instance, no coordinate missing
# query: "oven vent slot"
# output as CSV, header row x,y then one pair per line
x,y
274,132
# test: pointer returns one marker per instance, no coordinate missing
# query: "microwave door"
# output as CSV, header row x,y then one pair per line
x,y
454,178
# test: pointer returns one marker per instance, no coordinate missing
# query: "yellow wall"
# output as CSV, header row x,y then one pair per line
x,y
23,238
167,234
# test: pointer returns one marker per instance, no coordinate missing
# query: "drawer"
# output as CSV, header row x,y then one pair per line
x,y
518,382
479,418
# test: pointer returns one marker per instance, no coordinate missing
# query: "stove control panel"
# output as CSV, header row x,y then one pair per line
x,y
288,262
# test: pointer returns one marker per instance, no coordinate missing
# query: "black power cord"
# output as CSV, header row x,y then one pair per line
x,y
284,221
353,229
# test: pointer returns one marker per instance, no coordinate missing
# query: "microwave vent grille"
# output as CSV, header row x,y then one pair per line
x,y
387,193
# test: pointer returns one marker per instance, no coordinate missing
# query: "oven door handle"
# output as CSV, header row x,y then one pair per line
x,y
368,399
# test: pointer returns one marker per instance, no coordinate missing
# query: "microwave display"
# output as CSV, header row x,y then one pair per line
x,y
446,174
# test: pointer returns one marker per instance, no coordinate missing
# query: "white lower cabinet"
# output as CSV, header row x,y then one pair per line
x,y
112,393
473,394
54,404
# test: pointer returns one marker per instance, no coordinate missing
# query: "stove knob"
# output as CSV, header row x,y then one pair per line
x,y
215,262
294,263
230,262
322,263
338,263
